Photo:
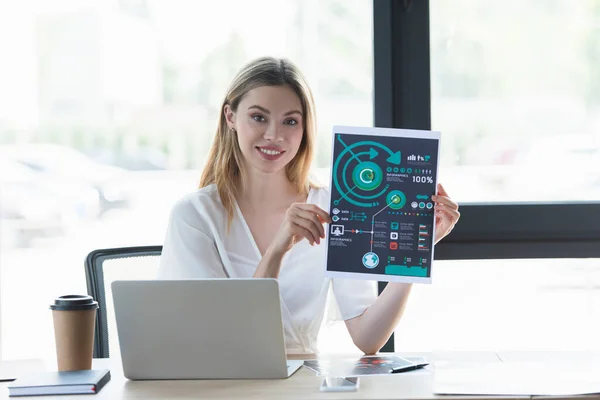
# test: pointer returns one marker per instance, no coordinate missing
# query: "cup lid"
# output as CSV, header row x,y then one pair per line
x,y
74,302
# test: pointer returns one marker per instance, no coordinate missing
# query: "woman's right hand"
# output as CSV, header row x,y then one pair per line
x,y
302,221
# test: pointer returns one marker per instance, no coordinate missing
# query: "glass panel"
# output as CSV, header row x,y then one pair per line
x,y
109,109
516,94
505,305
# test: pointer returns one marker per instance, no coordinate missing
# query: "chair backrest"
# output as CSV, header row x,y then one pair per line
x,y
103,266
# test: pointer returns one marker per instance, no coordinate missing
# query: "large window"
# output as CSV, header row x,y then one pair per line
x,y
515,89
498,305
494,305
107,110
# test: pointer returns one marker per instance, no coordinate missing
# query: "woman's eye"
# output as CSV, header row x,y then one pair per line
x,y
291,122
258,118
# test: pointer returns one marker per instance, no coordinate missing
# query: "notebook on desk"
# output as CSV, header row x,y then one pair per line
x,y
54,383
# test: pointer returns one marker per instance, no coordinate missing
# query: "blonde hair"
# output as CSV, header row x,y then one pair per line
x,y
224,164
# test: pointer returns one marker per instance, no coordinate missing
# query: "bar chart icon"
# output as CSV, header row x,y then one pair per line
x,y
424,235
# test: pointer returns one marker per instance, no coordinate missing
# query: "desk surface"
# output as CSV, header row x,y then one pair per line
x,y
304,383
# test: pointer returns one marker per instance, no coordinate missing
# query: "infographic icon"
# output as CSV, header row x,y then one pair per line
x,y
381,185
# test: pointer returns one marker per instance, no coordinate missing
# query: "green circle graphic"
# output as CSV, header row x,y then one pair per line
x,y
367,176
396,199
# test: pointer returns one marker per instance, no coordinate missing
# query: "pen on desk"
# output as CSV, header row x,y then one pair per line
x,y
408,368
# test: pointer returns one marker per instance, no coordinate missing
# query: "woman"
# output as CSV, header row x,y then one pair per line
x,y
257,214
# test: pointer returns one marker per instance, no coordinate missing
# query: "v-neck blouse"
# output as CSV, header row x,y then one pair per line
x,y
198,245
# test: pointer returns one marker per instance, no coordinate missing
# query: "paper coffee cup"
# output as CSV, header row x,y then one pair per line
x,y
74,319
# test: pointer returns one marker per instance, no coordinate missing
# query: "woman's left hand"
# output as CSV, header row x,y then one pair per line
x,y
446,214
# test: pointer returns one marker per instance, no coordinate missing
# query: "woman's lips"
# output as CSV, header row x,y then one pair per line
x,y
270,153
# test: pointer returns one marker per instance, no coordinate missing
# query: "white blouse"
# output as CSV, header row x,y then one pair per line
x,y
198,245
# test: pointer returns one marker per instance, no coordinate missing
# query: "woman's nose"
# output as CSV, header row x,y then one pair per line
x,y
273,133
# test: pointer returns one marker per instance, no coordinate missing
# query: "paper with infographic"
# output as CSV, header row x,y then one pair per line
x,y
383,217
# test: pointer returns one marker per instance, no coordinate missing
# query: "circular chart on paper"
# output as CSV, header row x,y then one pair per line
x,y
357,174
370,260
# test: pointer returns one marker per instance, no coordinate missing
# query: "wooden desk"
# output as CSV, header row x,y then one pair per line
x,y
302,385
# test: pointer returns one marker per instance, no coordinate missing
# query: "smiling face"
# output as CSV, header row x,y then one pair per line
x,y
269,124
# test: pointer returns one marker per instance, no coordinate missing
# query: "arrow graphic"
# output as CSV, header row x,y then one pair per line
x,y
395,158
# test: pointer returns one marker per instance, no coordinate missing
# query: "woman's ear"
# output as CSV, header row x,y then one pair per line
x,y
229,116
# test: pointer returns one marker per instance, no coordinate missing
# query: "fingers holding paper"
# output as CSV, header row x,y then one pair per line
x,y
302,221
446,213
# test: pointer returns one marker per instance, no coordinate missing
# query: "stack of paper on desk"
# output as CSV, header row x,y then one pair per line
x,y
513,378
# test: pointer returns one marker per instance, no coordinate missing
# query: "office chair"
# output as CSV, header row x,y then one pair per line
x,y
106,265
103,266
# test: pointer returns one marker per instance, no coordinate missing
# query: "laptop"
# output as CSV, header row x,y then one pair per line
x,y
201,329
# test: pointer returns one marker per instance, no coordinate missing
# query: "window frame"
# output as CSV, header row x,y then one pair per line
x,y
402,99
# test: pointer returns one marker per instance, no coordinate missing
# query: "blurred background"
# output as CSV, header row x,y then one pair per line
x,y
108,108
